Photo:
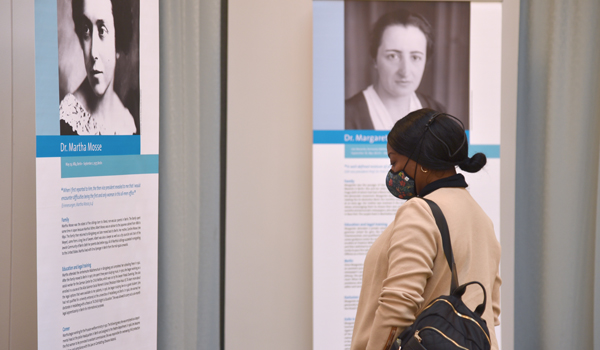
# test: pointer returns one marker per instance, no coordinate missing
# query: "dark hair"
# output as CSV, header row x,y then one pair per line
x,y
403,18
122,16
435,140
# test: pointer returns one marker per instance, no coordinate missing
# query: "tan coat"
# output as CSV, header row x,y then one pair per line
x,y
406,268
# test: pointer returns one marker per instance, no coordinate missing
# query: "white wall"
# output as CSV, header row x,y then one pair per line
x,y
268,282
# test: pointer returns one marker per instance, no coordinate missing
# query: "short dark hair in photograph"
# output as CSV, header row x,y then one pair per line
x,y
435,140
122,15
404,18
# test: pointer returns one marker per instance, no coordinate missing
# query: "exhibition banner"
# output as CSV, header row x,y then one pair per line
x,y
97,117
457,71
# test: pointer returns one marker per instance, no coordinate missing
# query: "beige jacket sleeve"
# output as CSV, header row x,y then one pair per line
x,y
496,299
411,255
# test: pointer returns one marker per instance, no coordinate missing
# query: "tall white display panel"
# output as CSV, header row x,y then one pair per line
x,y
97,93
351,204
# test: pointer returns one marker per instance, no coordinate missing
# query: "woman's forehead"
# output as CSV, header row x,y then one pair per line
x,y
403,38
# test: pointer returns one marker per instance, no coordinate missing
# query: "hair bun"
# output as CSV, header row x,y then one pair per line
x,y
473,164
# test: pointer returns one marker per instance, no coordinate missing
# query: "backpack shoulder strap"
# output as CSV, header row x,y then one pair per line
x,y
442,225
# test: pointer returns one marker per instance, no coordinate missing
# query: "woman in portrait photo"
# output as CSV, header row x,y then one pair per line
x,y
104,31
401,43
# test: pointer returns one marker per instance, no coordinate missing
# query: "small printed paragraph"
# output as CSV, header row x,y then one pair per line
x,y
348,327
85,196
98,335
350,302
86,288
369,199
353,275
359,237
83,237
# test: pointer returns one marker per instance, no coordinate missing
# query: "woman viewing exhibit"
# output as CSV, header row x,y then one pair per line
x,y
95,108
406,269
401,43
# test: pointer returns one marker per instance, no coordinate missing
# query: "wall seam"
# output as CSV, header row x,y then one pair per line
x,y
223,167
12,137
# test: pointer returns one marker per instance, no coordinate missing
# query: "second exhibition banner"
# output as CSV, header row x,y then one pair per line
x,y
454,67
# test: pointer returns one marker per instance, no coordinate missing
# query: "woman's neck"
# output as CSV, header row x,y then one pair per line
x,y
397,106
106,105
430,176
102,107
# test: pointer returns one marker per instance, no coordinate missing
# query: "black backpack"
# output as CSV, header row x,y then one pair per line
x,y
447,323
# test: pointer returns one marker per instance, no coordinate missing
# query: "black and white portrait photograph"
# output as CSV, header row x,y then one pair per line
x,y
403,56
98,55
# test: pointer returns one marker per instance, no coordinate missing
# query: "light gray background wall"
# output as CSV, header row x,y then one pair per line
x,y
189,288
18,325
268,284
557,280
508,154
6,170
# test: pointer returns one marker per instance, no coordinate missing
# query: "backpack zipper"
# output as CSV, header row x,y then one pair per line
x,y
461,315
440,332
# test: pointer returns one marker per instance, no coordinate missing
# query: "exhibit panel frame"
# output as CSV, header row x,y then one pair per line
x,y
343,155
96,173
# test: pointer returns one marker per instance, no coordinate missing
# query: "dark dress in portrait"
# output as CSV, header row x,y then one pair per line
x,y
357,112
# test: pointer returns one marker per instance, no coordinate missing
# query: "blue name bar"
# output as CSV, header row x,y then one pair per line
x,y
350,136
379,137
80,146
